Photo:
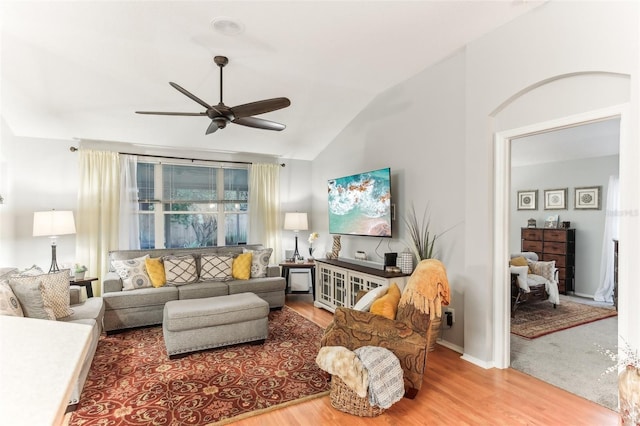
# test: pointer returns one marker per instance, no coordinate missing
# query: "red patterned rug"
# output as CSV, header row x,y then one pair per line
x,y
132,382
539,319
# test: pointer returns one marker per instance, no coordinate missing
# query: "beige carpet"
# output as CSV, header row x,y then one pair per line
x,y
538,319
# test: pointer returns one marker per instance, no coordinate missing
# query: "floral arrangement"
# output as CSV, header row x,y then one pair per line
x,y
80,268
312,237
629,357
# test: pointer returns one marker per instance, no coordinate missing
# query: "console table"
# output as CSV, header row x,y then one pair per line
x,y
338,282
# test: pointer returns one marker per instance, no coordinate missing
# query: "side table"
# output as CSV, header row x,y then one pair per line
x,y
86,283
287,266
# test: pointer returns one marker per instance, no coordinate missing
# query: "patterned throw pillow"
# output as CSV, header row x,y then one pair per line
x,y
259,262
29,294
55,291
155,270
133,273
180,269
9,304
241,267
215,268
544,269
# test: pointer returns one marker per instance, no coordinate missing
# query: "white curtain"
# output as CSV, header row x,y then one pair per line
x,y
129,226
98,210
264,207
604,293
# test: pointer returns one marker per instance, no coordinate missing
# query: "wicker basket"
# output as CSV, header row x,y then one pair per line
x,y
343,398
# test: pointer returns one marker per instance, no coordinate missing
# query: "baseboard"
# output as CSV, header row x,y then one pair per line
x,y
450,345
480,363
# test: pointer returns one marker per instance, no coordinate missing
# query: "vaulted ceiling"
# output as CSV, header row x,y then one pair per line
x,y
80,69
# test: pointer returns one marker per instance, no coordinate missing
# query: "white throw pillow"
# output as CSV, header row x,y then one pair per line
x,y
133,273
180,269
365,302
55,290
9,304
30,295
259,262
215,268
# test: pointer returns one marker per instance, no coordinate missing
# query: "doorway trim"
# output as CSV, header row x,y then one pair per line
x,y
502,215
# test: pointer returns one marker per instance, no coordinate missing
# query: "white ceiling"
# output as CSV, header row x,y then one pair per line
x,y
594,139
80,69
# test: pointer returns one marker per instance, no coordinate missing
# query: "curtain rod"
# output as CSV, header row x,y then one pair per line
x,y
74,149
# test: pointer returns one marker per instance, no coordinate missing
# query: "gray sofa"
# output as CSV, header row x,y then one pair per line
x,y
144,306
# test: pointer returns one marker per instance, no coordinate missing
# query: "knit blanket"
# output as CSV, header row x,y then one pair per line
x,y
386,384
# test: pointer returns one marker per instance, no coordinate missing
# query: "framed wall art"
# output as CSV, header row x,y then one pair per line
x,y
528,200
588,198
555,199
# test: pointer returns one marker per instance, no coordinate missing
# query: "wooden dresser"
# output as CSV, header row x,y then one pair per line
x,y
554,244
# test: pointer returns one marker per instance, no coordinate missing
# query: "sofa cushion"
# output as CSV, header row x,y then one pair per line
x,y
155,270
140,298
180,270
202,289
9,304
259,262
91,310
256,285
29,294
215,268
133,273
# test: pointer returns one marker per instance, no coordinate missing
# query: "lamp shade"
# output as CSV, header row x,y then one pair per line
x,y
295,222
53,223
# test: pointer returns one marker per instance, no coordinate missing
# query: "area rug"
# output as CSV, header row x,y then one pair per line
x,y
538,319
132,381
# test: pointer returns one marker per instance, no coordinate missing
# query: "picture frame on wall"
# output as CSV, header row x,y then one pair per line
x,y
528,200
555,199
588,198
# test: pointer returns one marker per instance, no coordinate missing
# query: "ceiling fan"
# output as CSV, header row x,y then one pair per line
x,y
221,114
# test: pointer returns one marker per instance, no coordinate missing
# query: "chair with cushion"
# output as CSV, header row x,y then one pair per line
x,y
407,336
532,280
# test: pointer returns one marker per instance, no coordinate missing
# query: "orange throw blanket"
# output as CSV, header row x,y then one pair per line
x,y
427,289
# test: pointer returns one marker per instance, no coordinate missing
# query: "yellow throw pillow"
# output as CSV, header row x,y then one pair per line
x,y
155,269
387,305
241,267
519,261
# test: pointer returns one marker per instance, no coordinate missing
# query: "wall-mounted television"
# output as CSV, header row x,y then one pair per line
x,y
360,204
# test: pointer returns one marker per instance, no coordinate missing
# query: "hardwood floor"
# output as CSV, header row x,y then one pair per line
x,y
454,392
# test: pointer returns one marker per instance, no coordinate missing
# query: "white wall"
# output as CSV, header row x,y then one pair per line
x,y
436,132
558,39
417,130
589,224
41,174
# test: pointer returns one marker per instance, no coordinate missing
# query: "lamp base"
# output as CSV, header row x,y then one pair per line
x,y
296,253
54,263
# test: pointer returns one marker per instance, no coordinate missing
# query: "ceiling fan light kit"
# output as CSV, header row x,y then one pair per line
x,y
220,114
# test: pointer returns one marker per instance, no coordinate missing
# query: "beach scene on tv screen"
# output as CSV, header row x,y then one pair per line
x,y
361,204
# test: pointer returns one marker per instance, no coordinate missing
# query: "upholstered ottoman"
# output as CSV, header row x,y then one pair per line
x,y
195,324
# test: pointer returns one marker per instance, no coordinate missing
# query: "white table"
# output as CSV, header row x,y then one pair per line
x,y
40,361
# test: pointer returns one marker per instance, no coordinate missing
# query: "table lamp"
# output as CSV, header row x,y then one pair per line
x,y
51,224
296,222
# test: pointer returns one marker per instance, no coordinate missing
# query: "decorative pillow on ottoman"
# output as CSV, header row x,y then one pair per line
x,y
133,273
9,304
259,262
215,268
180,269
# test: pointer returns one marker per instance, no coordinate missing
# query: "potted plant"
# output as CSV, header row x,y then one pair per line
x,y
421,237
79,271
312,238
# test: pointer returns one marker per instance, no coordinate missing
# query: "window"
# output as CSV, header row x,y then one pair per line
x,y
192,205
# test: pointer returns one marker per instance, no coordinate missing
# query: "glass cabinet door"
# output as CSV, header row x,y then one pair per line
x,y
340,288
326,285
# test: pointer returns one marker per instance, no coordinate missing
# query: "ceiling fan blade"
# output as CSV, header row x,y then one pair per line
x,y
172,113
189,94
213,126
259,107
259,123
